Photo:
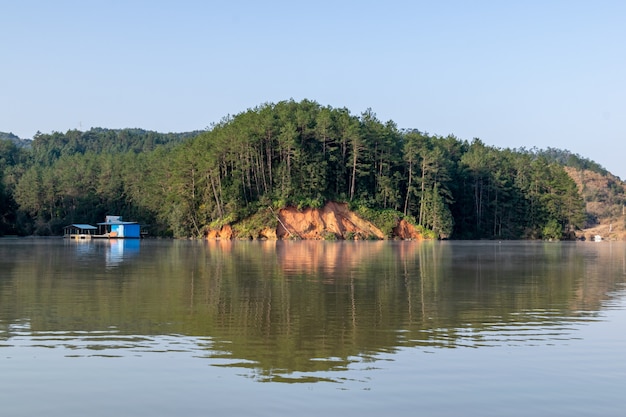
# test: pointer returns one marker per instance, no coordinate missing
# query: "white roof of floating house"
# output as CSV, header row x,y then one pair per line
x,y
115,220
82,226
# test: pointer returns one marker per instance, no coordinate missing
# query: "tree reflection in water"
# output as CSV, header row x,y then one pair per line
x,y
296,311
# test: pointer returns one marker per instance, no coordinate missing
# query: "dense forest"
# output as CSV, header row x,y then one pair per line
x,y
288,153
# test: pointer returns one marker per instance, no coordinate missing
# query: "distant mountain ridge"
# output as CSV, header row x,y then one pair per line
x,y
572,160
88,135
101,140
15,139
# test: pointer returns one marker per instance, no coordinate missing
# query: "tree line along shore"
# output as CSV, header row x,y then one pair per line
x,y
241,171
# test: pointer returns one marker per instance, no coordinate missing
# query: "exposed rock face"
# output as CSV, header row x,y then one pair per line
x,y
268,233
225,232
405,230
334,220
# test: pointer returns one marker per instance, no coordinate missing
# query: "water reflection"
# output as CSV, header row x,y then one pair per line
x,y
300,311
120,249
115,250
105,343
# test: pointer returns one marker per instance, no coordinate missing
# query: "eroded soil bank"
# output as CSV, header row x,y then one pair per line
x,y
333,221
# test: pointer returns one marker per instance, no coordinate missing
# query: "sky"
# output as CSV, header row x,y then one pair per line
x,y
515,74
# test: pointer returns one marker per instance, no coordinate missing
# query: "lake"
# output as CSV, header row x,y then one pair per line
x,y
277,328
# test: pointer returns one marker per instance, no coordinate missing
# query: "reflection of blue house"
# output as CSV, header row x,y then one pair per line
x,y
114,227
121,250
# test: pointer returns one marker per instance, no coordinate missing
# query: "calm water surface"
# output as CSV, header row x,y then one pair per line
x,y
182,328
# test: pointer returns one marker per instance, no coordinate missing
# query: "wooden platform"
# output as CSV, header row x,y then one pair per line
x,y
79,236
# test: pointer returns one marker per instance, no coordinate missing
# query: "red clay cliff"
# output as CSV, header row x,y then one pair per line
x,y
334,220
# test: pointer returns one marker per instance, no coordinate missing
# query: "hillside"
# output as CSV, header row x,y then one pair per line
x,y
297,157
605,199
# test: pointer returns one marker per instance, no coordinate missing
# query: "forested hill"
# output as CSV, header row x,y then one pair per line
x,y
604,194
572,160
49,147
605,197
289,153
4,136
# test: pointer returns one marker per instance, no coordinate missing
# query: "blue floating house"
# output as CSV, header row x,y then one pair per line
x,y
115,227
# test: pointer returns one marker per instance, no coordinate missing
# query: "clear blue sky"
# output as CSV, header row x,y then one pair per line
x,y
512,73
